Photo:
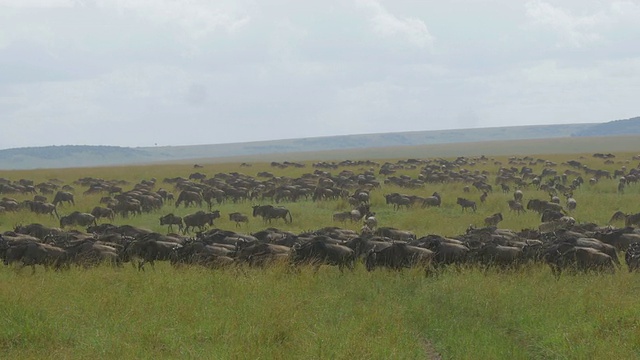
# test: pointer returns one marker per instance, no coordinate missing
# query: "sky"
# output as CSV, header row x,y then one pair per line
x,y
185,72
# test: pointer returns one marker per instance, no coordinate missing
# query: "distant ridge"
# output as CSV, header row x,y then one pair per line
x,y
87,155
617,127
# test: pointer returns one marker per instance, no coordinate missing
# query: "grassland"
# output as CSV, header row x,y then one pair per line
x,y
273,313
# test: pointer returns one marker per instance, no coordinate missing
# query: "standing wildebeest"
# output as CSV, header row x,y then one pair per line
x,y
238,218
518,196
268,212
433,200
39,207
171,220
200,219
399,256
318,252
33,253
483,197
516,206
102,212
63,196
464,203
493,220
189,197
571,203
78,218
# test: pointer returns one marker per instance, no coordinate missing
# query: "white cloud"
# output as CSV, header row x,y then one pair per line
x,y
36,3
574,30
387,24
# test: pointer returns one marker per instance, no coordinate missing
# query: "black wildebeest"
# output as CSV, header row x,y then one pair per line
x,y
189,197
399,256
78,218
268,212
39,207
171,220
238,218
433,200
63,196
102,212
493,220
632,256
317,252
33,253
464,203
516,206
199,219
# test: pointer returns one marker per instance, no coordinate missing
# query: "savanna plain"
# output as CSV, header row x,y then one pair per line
x,y
272,312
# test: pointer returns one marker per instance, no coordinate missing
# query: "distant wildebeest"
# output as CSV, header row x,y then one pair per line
x,y
102,212
189,197
493,220
34,253
483,197
464,204
433,200
632,256
171,220
63,196
268,212
199,219
39,207
78,218
516,206
238,218
518,195
571,203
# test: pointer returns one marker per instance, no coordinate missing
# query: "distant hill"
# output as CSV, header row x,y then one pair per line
x,y
86,155
617,127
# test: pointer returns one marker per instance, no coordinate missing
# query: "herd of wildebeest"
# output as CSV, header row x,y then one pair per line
x,y
88,239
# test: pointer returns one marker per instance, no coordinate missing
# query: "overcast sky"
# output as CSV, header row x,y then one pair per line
x,y
181,72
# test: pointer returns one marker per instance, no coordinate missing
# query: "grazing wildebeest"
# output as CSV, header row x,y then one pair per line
x,y
102,212
63,196
189,197
268,212
200,219
78,218
398,200
464,203
238,218
171,220
493,220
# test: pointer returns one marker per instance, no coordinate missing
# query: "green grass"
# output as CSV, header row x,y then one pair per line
x,y
274,313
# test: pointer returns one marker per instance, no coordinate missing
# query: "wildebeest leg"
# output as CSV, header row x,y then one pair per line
x,y
140,265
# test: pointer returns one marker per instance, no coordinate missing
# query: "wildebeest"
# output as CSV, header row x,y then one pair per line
x,y
632,256
398,200
571,203
148,251
238,218
566,256
78,218
493,220
269,212
518,195
63,196
395,234
39,207
171,219
342,216
102,212
189,197
33,253
434,200
317,252
464,204
199,219
516,206
398,256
